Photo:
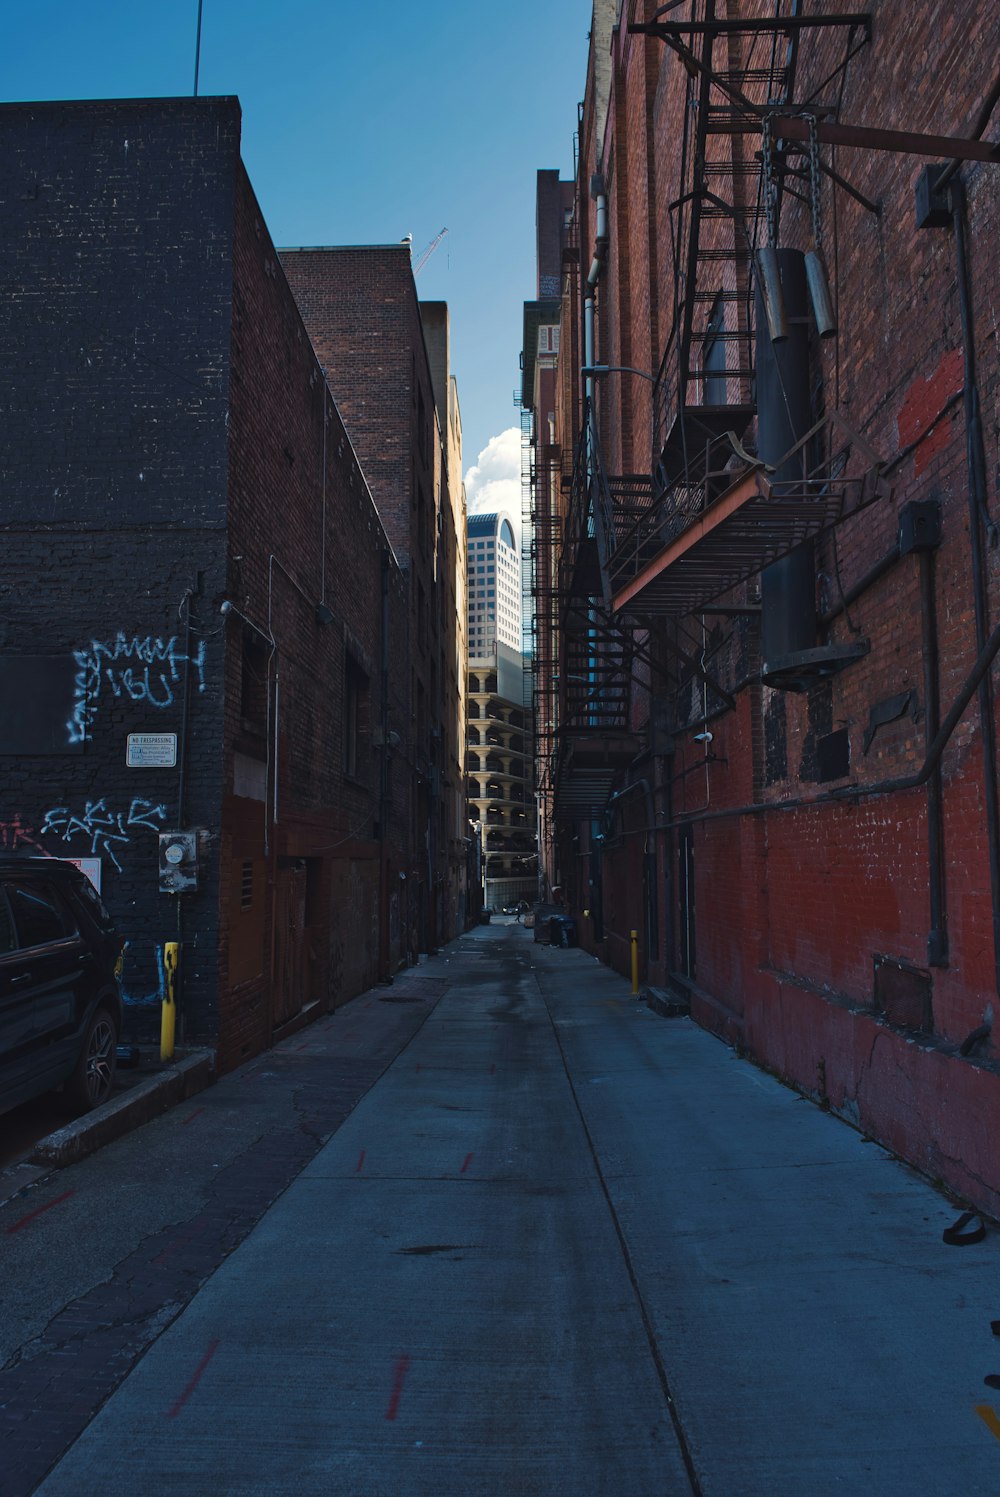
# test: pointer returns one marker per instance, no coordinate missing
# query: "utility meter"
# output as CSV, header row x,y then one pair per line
x,y
178,862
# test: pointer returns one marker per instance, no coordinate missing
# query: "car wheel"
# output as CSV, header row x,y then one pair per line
x,y
94,1073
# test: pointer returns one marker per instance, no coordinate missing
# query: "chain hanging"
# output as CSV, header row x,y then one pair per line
x,y
815,262
815,184
770,185
768,272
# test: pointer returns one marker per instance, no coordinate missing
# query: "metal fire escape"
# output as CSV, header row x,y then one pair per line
x,y
594,740
713,513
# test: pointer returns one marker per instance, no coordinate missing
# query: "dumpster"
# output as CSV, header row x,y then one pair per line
x,y
562,931
543,916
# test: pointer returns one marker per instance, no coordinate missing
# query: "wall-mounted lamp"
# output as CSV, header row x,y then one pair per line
x,y
324,614
594,371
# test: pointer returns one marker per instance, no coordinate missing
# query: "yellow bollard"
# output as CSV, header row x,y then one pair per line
x,y
168,1009
634,939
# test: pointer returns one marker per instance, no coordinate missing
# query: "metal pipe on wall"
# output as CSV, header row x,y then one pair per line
x,y
937,936
976,462
784,415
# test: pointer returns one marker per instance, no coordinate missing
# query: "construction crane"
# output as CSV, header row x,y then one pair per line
x,y
426,254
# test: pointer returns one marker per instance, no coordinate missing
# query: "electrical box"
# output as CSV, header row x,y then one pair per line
x,y
933,207
178,862
919,526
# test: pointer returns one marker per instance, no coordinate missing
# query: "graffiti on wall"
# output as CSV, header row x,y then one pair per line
x,y
16,834
145,670
107,831
145,1000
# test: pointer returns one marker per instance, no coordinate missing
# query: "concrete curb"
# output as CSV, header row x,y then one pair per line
x,y
138,1105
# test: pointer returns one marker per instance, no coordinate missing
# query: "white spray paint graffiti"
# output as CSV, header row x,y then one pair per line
x,y
105,829
147,1000
146,670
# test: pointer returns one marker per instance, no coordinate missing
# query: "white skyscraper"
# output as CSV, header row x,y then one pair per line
x,y
494,606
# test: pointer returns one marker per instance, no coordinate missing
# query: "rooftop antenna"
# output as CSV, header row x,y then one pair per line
x,y
422,260
197,50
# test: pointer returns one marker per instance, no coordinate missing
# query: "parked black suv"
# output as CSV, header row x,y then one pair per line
x,y
60,1004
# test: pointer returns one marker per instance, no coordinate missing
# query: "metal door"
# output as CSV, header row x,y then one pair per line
x,y
289,941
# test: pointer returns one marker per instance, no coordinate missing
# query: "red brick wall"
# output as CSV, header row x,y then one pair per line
x,y
794,903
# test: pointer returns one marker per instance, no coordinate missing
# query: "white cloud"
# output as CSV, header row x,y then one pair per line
x,y
494,481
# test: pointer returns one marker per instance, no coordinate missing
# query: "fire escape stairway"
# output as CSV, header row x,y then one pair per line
x,y
594,740
713,515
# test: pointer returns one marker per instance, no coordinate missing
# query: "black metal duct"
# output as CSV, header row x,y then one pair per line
x,y
784,415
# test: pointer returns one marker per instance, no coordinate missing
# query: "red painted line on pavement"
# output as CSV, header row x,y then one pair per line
x,y
361,1160
191,1116
418,1065
300,1047
38,1211
196,1379
465,1164
399,1378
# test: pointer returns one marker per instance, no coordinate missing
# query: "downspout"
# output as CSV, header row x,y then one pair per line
x,y
976,461
589,329
937,937
642,785
181,789
647,792
383,784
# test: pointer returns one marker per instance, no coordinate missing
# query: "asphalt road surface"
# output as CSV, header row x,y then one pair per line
x,y
544,1242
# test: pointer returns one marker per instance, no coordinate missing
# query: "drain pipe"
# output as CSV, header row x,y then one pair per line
x,y
976,461
620,795
937,938
385,963
589,322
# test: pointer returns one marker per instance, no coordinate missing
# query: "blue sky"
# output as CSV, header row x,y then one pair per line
x,y
362,123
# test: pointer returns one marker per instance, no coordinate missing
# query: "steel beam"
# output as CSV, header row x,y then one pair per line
x,y
905,142
780,25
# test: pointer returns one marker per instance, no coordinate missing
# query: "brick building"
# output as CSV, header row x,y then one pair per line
x,y
774,574
380,351
205,626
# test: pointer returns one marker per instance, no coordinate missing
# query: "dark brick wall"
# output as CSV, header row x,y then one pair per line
x,y
171,445
360,307
115,294
303,531
115,274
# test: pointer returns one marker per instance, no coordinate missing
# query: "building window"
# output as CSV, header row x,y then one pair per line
x,y
253,685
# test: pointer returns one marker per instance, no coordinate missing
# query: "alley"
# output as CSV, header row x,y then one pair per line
x,y
559,1245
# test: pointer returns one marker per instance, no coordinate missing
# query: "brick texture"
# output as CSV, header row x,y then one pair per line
x,y
795,904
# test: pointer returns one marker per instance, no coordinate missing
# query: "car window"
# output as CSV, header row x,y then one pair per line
x,y
8,940
39,914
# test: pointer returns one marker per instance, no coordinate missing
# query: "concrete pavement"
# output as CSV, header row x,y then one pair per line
x,y
563,1244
